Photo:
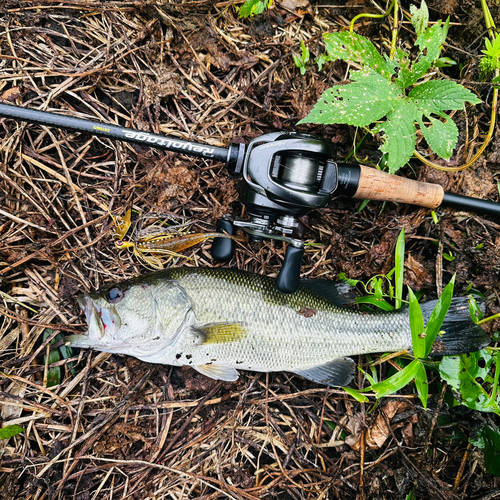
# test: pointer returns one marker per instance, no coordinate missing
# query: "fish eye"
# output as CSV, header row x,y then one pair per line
x,y
114,294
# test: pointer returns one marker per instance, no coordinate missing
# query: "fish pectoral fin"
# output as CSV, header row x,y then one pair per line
x,y
218,372
77,341
338,372
221,333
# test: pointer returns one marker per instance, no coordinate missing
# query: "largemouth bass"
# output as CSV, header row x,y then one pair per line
x,y
221,320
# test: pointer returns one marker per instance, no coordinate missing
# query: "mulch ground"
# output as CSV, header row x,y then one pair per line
x,y
118,428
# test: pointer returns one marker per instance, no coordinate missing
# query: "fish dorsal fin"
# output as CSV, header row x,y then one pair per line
x,y
337,292
221,333
218,372
338,372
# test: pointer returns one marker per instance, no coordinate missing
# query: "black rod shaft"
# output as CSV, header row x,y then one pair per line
x,y
471,204
114,132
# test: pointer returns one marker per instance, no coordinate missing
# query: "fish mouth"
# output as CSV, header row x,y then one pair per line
x,y
102,322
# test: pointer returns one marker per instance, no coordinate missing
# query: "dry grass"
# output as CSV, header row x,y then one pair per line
x,y
117,428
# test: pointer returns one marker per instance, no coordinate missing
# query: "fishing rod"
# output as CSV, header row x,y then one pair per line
x,y
284,175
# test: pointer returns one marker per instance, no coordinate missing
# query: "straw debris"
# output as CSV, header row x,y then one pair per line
x,y
115,427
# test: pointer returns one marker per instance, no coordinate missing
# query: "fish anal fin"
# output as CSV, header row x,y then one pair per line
x,y
218,372
221,333
337,372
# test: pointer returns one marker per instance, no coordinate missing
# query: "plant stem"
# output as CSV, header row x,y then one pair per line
x,y
491,318
395,28
372,16
488,19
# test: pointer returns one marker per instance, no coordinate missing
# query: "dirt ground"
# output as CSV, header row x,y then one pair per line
x,y
118,428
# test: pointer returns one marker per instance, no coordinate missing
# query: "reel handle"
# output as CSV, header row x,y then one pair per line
x,y
288,279
223,248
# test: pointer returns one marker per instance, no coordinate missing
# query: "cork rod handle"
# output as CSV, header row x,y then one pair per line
x,y
377,185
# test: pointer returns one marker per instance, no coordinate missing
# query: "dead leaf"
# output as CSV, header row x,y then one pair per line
x,y
417,275
11,94
166,84
300,7
379,431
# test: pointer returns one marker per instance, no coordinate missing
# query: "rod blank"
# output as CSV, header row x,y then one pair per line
x,y
114,132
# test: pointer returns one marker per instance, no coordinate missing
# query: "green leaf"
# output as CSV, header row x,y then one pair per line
x,y
441,136
373,378
361,398
399,134
441,95
356,48
305,51
53,374
422,384
10,431
376,284
253,7
491,440
374,301
399,267
437,316
299,63
397,381
416,326
444,62
471,382
342,277
420,17
360,103
429,42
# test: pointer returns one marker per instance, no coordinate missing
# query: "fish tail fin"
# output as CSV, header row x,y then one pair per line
x,y
461,335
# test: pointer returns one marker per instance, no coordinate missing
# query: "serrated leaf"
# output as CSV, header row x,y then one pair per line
x,y
400,136
360,103
430,42
405,76
419,17
441,95
441,136
356,48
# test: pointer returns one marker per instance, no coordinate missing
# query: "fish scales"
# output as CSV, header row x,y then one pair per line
x,y
278,336
220,320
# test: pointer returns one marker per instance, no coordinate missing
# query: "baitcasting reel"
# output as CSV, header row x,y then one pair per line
x,y
284,175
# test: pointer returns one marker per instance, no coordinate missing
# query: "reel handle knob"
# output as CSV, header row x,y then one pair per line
x,y
223,248
288,279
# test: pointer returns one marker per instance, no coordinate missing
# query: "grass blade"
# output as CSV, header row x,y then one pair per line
x,y
437,316
399,267
397,381
417,327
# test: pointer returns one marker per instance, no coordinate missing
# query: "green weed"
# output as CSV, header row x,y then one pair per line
x,y
396,88
253,7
